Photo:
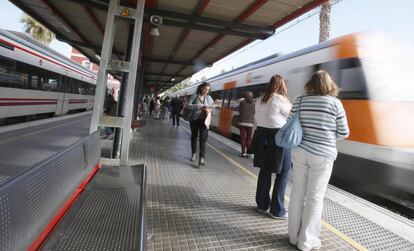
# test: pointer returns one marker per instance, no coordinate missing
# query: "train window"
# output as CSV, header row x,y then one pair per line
x,y
352,79
50,81
35,82
217,97
50,84
10,76
68,85
75,86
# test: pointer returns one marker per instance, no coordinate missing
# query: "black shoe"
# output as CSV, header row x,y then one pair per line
x,y
202,162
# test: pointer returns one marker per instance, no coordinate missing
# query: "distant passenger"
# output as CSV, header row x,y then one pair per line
x,y
201,105
271,111
110,109
157,107
176,106
246,122
151,106
323,121
164,108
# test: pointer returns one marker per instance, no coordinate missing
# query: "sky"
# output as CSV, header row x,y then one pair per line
x,y
394,18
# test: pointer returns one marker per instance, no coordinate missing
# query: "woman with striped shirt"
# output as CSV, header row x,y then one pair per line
x,y
323,121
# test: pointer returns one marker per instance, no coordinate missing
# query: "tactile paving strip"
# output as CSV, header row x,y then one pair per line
x,y
367,233
204,209
91,223
5,226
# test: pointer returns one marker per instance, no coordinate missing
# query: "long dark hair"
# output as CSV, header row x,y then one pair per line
x,y
204,84
275,85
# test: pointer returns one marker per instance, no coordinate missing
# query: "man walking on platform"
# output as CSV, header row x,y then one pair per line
x,y
176,106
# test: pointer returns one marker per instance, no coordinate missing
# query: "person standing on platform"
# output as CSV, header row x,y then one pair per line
x,y
157,108
246,122
201,104
176,106
323,122
271,112
151,106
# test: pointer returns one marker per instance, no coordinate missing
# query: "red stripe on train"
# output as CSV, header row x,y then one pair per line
x,y
29,99
27,103
45,58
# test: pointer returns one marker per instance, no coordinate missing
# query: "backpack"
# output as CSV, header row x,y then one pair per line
x,y
290,135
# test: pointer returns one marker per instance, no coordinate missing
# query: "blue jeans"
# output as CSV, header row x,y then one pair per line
x,y
264,182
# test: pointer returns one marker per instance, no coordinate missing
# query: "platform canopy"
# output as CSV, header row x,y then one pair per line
x,y
194,33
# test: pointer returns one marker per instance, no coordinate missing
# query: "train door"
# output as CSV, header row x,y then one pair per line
x,y
61,95
226,112
67,89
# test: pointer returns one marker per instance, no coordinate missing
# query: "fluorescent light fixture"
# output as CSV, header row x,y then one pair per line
x,y
172,79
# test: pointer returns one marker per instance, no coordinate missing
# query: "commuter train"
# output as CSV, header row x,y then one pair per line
x,y
37,80
375,79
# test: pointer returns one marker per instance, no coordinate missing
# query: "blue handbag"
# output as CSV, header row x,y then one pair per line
x,y
290,135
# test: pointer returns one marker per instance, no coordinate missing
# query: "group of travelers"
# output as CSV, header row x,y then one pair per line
x,y
323,121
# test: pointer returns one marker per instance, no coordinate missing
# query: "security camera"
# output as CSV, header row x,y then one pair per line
x,y
156,20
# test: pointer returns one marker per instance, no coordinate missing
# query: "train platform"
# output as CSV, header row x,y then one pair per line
x,y
213,208
28,144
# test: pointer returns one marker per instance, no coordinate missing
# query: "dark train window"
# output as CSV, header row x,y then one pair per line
x,y
68,85
351,79
217,97
11,75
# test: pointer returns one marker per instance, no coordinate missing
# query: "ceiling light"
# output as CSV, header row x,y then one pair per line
x,y
172,79
154,32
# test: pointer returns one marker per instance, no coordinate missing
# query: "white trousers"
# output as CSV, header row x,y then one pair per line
x,y
311,175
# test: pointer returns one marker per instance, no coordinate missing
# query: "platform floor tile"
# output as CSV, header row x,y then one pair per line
x,y
212,208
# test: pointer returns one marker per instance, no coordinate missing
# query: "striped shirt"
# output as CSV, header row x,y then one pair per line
x,y
323,121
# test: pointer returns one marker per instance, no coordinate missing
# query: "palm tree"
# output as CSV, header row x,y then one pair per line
x,y
324,21
36,30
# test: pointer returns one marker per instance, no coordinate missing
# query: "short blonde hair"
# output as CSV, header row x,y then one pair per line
x,y
321,84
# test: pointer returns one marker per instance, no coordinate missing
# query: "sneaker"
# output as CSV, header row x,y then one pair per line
x,y
284,217
202,162
261,210
193,157
241,154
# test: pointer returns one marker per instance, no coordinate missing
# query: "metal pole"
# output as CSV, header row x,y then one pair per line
x,y
105,57
116,145
132,77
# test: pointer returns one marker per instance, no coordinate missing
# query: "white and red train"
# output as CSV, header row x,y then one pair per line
x,y
377,91
37,80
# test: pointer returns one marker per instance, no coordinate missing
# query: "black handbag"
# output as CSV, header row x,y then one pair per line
x,y
235,121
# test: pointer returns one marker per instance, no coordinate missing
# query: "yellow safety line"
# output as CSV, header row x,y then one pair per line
x,y
38,131
338,233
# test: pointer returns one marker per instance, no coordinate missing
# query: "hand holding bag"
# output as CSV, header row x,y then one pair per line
x,y
235,121
290,135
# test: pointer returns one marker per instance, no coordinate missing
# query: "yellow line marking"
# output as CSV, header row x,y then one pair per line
x,y
37,132
328,226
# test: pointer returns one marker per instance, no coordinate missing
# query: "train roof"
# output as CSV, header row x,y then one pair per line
x,y
270,60
26,40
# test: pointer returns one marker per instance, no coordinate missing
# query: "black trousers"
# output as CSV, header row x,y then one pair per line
x,y
175,118
198,128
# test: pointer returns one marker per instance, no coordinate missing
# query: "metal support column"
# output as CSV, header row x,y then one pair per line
x,y
116,145
132,76
124,118
103,66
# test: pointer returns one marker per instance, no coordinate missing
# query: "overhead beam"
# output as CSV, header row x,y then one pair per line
x,y
242,17
306,8
163,75
214,29
40,19
167,61
59,13
211,22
